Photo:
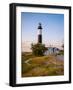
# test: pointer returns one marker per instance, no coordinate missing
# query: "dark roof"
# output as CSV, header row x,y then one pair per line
x,y
40,26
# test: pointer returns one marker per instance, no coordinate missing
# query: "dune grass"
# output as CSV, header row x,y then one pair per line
x,y
41,66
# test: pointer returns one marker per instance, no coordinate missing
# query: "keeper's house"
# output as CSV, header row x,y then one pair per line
x,y
52,50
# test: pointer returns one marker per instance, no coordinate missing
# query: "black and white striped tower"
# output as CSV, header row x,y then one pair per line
x,y
40,33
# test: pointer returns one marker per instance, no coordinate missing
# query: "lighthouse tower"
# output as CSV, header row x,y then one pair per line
x,y
40,33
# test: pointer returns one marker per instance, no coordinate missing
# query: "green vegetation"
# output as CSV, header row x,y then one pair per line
x,y
61,52
41,65
38,49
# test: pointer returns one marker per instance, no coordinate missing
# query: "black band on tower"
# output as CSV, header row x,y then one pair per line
x,y
40,38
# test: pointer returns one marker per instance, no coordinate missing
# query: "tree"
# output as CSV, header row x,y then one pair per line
x,y
38,49
62,45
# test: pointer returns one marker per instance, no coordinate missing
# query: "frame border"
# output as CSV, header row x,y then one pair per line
x,y
12,43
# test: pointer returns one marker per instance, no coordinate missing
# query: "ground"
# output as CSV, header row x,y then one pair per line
x,y
41,66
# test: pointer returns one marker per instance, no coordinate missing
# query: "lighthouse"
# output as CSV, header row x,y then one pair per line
x,y
40,33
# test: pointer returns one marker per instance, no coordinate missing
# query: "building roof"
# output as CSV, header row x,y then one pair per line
x,y
40,26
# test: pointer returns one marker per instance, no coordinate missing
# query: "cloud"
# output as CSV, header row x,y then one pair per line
x,y
26,45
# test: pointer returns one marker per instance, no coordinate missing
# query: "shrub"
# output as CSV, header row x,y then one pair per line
x,y
38,49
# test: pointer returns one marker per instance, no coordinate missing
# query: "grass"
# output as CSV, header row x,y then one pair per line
x,y
41,66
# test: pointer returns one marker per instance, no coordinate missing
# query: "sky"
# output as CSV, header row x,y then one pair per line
x,y
52,24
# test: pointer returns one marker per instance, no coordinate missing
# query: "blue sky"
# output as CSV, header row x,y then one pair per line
x,y
53,26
